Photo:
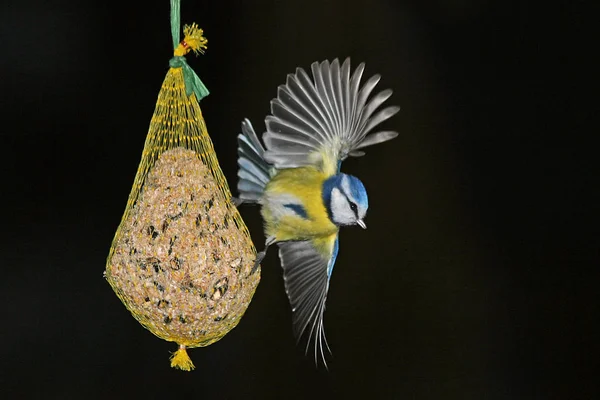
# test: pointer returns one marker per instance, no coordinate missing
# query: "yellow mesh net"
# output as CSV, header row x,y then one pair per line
x,y
181,258
177,122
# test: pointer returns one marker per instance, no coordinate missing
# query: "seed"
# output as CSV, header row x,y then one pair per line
x,y
202,271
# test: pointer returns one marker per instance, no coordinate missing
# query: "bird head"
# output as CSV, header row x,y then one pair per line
x,y
345,199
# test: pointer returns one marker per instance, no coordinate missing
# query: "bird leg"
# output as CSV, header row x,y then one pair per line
x,y
261,255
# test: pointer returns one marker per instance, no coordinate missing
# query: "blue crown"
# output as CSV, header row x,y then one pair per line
x,y
358,191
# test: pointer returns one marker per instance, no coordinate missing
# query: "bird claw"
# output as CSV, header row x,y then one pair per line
x,y
259,257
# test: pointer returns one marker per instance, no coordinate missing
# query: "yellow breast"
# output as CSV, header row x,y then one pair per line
x,y
302,186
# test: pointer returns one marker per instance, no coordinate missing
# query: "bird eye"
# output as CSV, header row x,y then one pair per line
x,y
353,207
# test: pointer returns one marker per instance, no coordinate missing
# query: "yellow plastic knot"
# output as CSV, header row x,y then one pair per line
x,y
192,40
181,360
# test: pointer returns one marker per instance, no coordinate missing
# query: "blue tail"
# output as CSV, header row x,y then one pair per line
x,y
254,172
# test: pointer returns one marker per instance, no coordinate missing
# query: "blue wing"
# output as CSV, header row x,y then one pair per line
x,y
306,274
324,120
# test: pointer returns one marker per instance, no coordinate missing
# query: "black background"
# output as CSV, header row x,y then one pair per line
x,y
473,280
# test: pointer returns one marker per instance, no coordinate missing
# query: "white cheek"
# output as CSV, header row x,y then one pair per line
x,y
336,201
340,209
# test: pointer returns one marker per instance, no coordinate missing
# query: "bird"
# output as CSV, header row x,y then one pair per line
x,y
296,179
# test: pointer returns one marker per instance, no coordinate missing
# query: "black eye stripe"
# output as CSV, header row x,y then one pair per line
x,y
353,205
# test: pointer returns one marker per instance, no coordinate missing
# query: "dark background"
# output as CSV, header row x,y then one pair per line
x,y
475,280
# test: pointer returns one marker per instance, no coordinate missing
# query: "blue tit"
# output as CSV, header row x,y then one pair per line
x,y
314,125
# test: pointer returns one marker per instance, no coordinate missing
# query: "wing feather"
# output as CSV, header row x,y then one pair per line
x,y
354,88
375,138
338,95
292,134
324,100
291,160
250,171
345,88
320,121
327,72
303,121
311,98
306,274
380,117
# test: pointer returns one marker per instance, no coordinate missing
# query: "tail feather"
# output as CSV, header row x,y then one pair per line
x,y
254,172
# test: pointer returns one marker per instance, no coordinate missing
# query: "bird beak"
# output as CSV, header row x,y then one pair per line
x,y
361,223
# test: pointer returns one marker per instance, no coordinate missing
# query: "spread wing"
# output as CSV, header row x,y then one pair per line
x,y
307,267
323,120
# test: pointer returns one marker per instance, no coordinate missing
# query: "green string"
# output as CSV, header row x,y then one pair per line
x,y
193,84
175,22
